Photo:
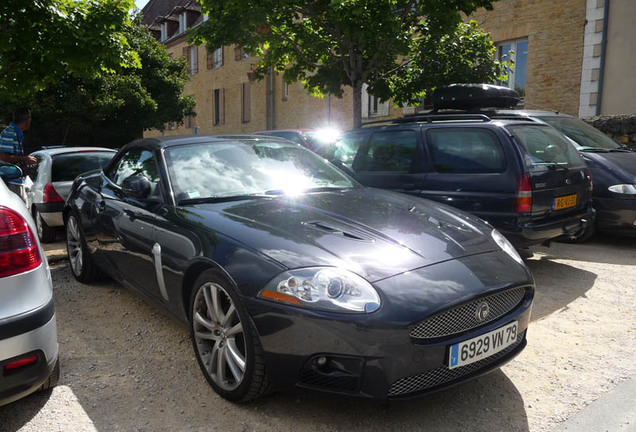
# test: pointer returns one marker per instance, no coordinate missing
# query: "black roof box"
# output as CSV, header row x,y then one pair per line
x,y
474,96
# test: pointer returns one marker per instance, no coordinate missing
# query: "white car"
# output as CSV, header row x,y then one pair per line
x,y
28,331
52,179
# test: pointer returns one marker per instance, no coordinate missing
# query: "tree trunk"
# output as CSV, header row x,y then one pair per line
x,y
357,104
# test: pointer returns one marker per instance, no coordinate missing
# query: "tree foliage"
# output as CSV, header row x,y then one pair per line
x,y
330,44
113,108
45,40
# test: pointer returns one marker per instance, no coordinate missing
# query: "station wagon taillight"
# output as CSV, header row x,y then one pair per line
x,y
51,195
523,197
19,250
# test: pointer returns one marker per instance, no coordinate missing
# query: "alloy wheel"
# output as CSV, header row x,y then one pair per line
x,y
219,336
74,246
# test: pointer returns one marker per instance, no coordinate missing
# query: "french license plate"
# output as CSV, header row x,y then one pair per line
x,y
564,202
483,346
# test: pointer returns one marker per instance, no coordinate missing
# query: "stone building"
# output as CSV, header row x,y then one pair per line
x,y
574,56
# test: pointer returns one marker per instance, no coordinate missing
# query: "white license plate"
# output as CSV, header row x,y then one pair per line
x,y
482,346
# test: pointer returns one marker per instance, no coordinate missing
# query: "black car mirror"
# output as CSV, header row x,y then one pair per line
x,y
10,172
137,186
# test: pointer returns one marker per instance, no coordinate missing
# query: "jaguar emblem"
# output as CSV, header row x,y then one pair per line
x,y
482,311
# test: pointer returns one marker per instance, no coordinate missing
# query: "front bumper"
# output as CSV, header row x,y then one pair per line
x,y
616,215
375,355
20,382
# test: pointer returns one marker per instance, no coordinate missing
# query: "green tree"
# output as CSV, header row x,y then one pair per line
x,y
329,44
113,108
45,40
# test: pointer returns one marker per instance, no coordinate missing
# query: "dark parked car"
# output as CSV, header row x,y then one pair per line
x,y
321,141
289,273
525,179
612,165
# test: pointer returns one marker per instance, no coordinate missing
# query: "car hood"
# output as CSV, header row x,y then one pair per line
x,y
621,164
374,233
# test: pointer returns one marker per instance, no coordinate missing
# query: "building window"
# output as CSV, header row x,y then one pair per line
x,y
285,92
164,31
372,106
182,22
517,51
218,96
245,103
218,58
192,53
239,54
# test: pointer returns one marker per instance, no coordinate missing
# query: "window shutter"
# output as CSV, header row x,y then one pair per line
x,y
195,59
246,111
186,52
221,57
222,106
210,60
238,54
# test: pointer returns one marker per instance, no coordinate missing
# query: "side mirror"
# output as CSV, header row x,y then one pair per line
x,y
136,186
10,172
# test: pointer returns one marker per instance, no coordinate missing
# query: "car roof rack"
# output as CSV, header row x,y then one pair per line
x,y
431,117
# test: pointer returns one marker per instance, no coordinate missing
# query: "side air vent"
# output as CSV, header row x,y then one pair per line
x,y
334,229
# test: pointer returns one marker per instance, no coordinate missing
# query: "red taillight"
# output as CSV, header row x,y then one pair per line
x,y
22,362
51,195
523,197
18,248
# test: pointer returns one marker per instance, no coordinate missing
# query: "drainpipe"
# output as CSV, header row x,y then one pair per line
x,y
601,75
270,118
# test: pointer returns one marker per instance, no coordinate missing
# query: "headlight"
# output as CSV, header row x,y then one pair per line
x,y
626,189
325,288
505,245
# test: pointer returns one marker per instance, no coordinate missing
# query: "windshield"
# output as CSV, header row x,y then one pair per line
x,y
584,135
545,146
217,170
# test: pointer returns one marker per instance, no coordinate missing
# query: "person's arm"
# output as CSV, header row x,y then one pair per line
x,y
13,159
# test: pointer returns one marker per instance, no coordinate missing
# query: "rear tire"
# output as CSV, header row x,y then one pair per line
x,y
46,233
53,379
82,265
225,342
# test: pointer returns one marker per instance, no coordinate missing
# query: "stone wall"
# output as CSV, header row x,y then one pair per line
x,y
622,128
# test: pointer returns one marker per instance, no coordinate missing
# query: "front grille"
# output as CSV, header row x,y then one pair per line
x,y
464,317
443,375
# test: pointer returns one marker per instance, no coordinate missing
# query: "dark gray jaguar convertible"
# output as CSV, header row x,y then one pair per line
x,y
289,273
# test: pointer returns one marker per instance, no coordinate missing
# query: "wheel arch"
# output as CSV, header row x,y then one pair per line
x,y
192,274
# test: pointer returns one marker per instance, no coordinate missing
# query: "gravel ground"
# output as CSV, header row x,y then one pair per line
x,y
126,367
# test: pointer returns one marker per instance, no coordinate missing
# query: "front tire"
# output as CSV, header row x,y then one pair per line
x,y
225,341
82,265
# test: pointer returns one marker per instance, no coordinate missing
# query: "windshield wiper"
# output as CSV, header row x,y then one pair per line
x,y
277,192
594,149
207,200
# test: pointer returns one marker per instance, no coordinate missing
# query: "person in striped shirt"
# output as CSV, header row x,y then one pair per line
x,y
12,148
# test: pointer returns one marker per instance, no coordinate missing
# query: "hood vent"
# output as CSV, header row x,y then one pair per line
x,y
345,232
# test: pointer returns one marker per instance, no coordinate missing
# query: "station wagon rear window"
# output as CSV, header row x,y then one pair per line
x,y
465,150
66,167
545,146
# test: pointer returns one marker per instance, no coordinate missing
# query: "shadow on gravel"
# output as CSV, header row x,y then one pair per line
x,y
17,414
489,403
557,284
601,248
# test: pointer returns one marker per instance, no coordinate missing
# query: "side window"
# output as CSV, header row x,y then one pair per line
x,y
347,147
136,161
391,151
33,169
465,150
